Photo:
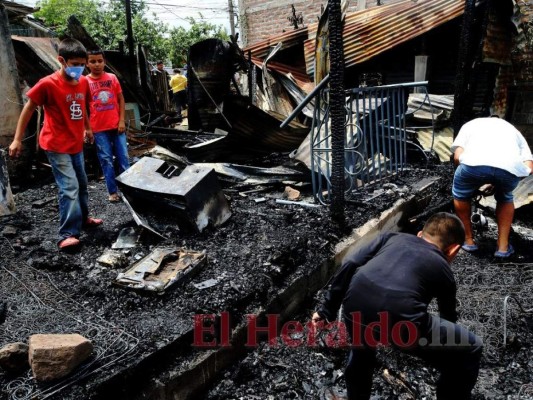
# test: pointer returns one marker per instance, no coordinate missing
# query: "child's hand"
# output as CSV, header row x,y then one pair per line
x,y
121,126
89,137
15,148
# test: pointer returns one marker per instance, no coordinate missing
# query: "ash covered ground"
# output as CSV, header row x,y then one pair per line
x,y
258,251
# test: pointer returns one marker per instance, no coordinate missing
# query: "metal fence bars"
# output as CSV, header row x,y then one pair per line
x,y
376,138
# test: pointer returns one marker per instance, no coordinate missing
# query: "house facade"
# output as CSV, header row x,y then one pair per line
x,y
260,19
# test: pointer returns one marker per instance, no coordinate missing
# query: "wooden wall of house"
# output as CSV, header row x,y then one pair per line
x,y
11,99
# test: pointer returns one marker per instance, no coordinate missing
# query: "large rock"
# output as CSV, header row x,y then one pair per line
x,y
55,356
14,357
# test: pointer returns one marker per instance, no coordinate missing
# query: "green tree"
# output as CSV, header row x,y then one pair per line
x,y
106,22
151,33
181,39
55,13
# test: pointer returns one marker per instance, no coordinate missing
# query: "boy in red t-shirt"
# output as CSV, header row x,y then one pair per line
x,y
63,95
107,120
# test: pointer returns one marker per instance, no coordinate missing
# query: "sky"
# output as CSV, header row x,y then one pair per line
x,y
174,12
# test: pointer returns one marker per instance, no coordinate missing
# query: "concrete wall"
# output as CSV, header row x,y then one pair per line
x,y
260,19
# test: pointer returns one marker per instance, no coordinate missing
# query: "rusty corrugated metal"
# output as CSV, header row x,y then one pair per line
x,y
44,48
498,41
36,57
321,61
518,73
299,74
288,40
370,32
522,54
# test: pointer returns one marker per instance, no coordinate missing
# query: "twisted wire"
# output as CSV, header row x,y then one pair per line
x,y
481,290
36,305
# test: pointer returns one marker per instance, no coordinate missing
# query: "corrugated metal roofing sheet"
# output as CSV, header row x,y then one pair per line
x,y
523,56
370,32
498,41
288,39
17,10
44,48
299,75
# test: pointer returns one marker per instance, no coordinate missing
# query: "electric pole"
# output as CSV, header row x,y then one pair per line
x,y
231,18
129,28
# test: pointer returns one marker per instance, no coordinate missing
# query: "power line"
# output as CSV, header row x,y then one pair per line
x,y
216,5
172,12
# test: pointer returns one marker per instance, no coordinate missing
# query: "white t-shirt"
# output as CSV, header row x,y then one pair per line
x,y
493,142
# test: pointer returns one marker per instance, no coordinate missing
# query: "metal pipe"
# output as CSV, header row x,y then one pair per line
x,y
305,101
297,203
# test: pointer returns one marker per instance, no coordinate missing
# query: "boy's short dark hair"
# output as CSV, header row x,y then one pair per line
x,y
159,62
71,48
444,229
95,51
176,70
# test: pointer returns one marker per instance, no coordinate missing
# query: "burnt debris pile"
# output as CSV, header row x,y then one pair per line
x,y
494,301
264,259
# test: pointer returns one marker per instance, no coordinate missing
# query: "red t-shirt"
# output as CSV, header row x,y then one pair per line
x,y
64,110
104,106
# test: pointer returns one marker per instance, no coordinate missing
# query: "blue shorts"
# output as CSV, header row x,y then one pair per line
x,y
468,179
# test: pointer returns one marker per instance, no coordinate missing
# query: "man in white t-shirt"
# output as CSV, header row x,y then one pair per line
x,y
489,151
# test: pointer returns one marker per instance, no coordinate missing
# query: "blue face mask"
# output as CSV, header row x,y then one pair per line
x,y
74,72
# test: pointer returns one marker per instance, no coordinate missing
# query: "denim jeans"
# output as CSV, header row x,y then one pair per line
x,y
69,173
467,179
109,144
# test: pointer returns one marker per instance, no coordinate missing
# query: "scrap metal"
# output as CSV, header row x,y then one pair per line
x,y
161,269
191,196
36,57
140,220
253,132
212,63
127,238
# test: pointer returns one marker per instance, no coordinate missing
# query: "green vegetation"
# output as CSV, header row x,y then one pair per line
x,y
106,23
181,39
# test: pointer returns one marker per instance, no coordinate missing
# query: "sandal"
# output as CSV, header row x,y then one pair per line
x,y
68,243
114,198
470,247
92,222
504,254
